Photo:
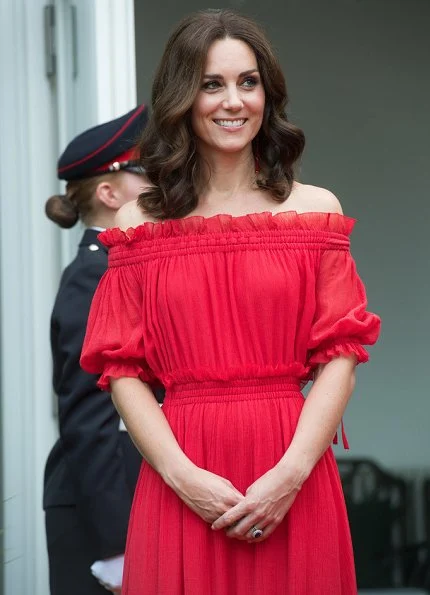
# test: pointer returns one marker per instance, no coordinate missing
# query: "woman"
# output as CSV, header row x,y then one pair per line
x,y
232,284
92,469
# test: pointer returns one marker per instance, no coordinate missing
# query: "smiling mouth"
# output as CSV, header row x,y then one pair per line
x,y
230,123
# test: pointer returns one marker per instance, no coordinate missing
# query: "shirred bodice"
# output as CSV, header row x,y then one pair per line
x,y
228,297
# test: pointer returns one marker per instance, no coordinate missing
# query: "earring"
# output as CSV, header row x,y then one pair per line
x,y
257,167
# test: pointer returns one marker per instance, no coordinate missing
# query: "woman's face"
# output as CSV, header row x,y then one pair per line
x,y
228,110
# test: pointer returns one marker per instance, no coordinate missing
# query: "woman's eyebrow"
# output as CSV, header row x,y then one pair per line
x,y
219,76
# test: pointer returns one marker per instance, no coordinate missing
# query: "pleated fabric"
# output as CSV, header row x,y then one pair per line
x,y
232,315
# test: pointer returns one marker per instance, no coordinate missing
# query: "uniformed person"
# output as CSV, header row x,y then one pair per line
x,y
91,471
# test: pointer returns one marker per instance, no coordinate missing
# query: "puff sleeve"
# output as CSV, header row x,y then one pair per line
x,y
341,324
114,345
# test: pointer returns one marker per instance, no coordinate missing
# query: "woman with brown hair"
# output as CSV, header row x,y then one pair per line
x,y
92,469
232,284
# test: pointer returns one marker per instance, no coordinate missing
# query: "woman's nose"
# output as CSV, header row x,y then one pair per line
x,y
232,100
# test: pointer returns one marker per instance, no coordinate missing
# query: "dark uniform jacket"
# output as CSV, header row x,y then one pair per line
x,y
93,465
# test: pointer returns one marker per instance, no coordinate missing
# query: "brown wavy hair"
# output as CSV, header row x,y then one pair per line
x,y
168,149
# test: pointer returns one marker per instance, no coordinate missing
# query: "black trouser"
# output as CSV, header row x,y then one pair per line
x,y
71,553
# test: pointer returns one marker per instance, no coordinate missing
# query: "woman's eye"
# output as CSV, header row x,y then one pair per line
x,y
211,85
250,81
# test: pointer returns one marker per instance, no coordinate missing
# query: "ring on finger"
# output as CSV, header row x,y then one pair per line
x,y
256,532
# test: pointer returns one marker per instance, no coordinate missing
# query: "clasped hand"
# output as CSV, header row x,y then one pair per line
x,y
264,505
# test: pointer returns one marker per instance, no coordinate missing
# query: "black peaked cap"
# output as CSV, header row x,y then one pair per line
x,y
90,151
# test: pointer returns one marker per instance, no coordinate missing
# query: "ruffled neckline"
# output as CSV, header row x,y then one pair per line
x,y
224,223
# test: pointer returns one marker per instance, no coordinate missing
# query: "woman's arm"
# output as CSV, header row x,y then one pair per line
x,y
269,498
321,414
207,494
149,428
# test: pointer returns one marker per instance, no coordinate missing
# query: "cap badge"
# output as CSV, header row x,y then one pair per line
x,y
115,166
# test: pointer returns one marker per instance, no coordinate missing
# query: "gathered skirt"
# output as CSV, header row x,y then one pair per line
x,y
239,431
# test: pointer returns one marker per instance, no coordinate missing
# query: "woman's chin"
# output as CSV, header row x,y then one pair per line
x,y
233,147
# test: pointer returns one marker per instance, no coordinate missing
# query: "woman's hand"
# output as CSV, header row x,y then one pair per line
x,y
207,494
266,503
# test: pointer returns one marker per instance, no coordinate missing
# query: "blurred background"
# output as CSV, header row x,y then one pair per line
x,y
357,76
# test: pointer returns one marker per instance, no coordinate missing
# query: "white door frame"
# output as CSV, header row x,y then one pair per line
x,y
35,126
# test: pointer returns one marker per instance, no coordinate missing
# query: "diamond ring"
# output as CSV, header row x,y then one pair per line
x,y
255,532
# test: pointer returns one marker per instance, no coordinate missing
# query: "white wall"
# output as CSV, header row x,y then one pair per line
x,y
357,76
38,117
29,264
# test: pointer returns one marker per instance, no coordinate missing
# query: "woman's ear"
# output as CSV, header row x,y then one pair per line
x,y
107,194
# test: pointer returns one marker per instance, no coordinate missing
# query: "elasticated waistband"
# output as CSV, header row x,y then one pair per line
x,y
235,390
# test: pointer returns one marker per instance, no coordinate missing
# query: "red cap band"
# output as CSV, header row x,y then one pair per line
x,y
130,155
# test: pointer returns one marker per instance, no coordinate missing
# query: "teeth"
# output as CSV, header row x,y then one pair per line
x,y
229,123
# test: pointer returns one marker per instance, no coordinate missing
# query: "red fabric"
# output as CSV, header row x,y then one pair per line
x,y
231,314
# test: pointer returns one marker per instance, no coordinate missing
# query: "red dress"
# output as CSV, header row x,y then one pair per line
x,y
232,314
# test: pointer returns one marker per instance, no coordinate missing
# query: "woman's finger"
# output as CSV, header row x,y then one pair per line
x,y
244,527
232,516
267,531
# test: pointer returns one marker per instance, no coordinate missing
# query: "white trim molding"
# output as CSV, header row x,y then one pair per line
x,y
29,265
38,116
115,57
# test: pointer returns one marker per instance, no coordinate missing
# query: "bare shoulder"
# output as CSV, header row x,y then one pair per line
x,y
307,198
131,215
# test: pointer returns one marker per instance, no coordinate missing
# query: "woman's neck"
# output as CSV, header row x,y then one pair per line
x,y
228,176
104,220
